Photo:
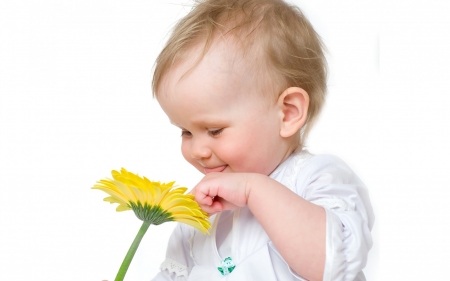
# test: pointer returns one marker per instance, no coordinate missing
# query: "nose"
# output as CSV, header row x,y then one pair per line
x,y
200,149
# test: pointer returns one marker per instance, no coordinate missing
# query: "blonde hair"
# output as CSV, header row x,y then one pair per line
x,y
287,46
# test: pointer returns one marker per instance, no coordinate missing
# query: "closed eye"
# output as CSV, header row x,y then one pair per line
x,y
215,133
185,133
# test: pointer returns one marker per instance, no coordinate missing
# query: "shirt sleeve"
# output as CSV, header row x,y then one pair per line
x,y
327,181
178,262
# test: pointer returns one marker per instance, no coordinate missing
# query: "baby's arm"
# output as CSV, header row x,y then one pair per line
x,y
295,226
330,242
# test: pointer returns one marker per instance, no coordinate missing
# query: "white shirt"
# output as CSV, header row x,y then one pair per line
x,y
321,179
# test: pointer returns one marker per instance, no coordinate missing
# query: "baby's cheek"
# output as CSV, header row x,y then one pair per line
x,y
241,155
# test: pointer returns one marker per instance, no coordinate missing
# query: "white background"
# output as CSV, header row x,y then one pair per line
x,y
76,102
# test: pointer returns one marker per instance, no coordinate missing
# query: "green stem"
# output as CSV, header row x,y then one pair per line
x,y
129,257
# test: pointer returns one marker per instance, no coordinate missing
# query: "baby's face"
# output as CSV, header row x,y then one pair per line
x,y
226,124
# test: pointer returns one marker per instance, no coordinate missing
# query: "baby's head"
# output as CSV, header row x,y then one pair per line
x,y
244,80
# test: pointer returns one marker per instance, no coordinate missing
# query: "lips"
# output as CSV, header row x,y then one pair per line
x,y
214,170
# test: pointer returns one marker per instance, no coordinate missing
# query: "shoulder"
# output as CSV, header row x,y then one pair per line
x,y
303,168
326,175
329,166
327,178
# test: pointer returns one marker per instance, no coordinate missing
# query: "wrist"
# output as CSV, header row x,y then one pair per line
x,y
253,183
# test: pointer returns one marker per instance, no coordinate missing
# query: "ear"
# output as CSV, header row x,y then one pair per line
x,y
293,106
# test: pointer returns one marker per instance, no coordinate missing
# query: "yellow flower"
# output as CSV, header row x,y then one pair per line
x,y
152,201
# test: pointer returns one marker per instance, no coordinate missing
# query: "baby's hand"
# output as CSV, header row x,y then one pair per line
x,y
223,191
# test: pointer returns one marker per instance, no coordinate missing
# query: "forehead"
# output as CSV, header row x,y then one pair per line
x,y
215,79
222,82
222,69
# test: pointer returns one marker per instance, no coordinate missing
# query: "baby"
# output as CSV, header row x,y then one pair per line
x,y
244,80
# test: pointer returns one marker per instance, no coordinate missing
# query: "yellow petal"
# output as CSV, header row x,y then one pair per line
x,y
156,192
178,210
168,204
112,199
125,190
122,208
161,196
140,195
195,223
113,193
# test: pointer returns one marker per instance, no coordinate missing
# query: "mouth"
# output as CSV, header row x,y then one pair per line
x,y
215,170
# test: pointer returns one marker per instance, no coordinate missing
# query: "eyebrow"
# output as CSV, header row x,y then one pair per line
x,y
217,123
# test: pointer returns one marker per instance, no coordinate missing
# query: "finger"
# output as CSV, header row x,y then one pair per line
x,y
225,205
204,200
201,198
205,188
217,206
213,208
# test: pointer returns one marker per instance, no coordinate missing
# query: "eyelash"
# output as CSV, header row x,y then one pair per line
x,y
214,133
185,133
